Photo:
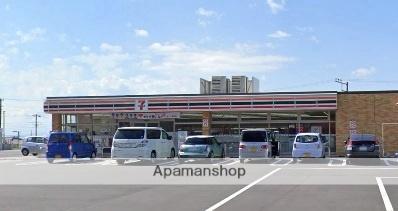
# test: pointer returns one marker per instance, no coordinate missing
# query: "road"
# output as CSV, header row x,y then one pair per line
x,y
30,183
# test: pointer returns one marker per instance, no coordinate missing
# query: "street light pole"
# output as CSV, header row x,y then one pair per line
x,y
36,115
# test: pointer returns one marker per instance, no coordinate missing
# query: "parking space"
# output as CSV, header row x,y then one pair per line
x,y
272,184
308,197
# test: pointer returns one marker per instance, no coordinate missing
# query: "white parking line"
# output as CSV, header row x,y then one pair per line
x,y
343,162
274,163
387,162
169,162
284,164
384,195
222,162
233,163
219,204
31,163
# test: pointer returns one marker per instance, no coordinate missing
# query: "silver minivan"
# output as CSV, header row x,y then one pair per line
x,y
141,142
255,143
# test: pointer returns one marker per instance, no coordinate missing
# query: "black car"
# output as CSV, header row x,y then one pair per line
x,y
362,146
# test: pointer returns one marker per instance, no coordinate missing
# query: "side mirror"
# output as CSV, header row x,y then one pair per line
x,y
169,137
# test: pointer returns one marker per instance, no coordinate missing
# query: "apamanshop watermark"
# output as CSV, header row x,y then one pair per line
x,y
199,172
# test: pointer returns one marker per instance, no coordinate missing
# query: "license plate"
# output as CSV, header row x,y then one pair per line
x,y
58,156
363,148
307,155
253,149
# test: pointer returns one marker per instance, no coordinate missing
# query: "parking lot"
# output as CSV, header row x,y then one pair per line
x,y
271,184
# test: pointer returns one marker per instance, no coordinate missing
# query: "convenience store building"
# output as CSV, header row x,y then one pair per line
x,y
335,114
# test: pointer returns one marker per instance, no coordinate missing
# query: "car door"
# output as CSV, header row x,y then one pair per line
x,y
217,147
168,143
153,136
86,146
78,146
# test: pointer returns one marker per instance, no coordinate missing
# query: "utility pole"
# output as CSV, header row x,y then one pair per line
x,y
36,115
1,130
340,81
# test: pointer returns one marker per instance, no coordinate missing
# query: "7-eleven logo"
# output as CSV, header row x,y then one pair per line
x,y
141,105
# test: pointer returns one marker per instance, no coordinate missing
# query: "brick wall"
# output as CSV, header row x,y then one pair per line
x,y
56,122
368,111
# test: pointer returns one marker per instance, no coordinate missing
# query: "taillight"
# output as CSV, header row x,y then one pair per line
x,y
241,146
263,146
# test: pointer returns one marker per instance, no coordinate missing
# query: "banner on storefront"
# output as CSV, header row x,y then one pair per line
x,y
168,115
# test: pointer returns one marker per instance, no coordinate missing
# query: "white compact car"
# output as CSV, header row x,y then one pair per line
x,y
34,145
255,143
141,142
308,145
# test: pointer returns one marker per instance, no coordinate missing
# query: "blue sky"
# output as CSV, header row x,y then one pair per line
x,y
60,48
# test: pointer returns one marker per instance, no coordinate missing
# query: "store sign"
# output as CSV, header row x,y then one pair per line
x,y
316,129
352,124
352,132
170,115
141,105
205,123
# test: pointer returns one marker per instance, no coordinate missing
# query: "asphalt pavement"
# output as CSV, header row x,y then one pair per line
x,y
30,183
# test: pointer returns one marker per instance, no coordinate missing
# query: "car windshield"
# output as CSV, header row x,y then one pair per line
x,y
254,136
307,139
130,134
198,141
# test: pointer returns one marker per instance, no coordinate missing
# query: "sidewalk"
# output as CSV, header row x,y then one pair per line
x,y
10,153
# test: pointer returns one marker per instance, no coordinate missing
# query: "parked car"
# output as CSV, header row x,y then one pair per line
x,y
69,145
141,142
362,146
255,143
33,145
201,147
308,145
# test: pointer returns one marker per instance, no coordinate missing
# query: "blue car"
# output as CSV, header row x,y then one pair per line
x,y
69,145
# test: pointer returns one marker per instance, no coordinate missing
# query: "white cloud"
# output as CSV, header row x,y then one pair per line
x,y
106,47
364,72
207,13
314,39
206,16
141,33
167,47
192,60
279,34
276,5
85,49
34,34
3,62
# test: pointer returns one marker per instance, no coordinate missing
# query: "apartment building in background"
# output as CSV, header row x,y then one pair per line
x,y
224,85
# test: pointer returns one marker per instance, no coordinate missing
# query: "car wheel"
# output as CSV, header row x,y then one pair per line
x,y
210,155
93,155
222,154
120,161
34,154
172,153
74,157
25,152
50,160
153,154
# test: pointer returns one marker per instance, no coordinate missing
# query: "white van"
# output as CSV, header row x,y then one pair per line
x,y
141,142
255,143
